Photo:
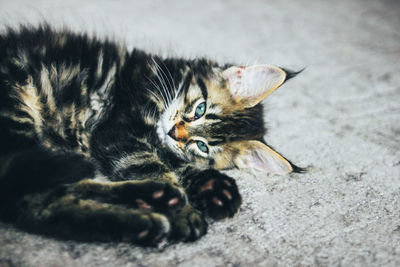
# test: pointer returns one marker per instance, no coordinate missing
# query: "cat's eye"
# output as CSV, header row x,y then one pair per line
x,y
200,110
202,146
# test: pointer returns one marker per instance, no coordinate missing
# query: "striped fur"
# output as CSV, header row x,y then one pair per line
x,y
86,146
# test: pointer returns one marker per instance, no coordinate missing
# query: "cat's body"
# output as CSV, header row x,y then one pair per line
x,y
98,143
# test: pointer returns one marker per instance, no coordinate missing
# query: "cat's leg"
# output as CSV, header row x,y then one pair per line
x,y
187,223
153,195
37,193
213,192
63,215
43,191
89,210
35,170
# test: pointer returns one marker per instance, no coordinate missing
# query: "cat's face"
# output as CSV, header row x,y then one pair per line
x,y
215,119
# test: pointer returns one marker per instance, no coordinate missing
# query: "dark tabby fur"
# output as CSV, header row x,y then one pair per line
x,y
83,150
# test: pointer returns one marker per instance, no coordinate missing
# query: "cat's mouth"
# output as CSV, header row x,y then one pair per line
x,y
167,135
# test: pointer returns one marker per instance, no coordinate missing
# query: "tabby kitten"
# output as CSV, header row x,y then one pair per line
x,y
98,143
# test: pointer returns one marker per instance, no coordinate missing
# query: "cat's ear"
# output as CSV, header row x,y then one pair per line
x,y
256,155
249,85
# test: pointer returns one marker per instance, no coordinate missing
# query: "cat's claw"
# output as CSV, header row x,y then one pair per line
x,y
215,193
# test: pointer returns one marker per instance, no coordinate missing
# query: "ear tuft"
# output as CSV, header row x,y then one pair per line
x,y
291,74
256,155
250,85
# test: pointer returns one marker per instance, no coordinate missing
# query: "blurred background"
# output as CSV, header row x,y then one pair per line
x,y
340,117
285,32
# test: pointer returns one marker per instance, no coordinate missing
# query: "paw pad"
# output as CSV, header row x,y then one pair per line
x,y
143,234
227,183
173,201
158,194
217,202
143,204
207,186
216,194
227,194
161,197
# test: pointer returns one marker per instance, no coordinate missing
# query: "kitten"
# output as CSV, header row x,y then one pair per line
x,y
98,143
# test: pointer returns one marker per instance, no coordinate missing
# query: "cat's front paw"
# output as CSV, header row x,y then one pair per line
x,y
215,193
162,197
188,225
153,230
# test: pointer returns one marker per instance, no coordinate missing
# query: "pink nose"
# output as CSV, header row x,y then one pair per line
x,y
179,133
172,133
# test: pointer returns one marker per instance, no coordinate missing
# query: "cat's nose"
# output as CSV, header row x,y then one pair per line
x,y
179,133
172,133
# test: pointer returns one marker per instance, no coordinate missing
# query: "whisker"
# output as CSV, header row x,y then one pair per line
x,y
171,78
154,94
167,78
159,90
162,81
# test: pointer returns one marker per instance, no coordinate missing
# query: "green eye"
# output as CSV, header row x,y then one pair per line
x,y
200,110
202,146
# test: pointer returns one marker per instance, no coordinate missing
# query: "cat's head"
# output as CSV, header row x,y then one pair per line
x,y
216,120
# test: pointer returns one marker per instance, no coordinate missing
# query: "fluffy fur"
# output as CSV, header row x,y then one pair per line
x,y
99,143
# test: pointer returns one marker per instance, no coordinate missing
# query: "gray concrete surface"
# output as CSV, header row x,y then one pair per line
x,y
341,116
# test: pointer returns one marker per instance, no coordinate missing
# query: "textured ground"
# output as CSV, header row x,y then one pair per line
x,y
341,116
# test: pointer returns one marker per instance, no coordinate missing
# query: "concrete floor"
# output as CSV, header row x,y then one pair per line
x,y
341,117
